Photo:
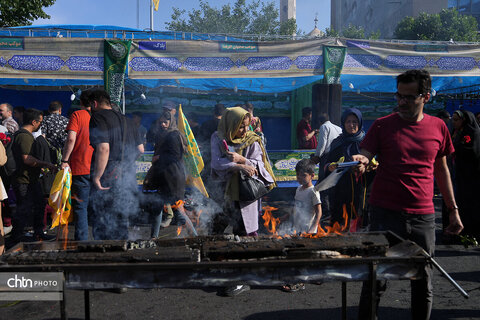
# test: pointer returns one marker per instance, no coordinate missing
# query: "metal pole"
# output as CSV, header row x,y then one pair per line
x,y
151,15
344,300
123,97
138,14
86,295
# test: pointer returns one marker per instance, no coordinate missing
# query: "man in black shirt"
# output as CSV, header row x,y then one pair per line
x,y
116,145
25,181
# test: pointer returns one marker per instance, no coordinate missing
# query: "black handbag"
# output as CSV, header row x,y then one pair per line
x,y
250,189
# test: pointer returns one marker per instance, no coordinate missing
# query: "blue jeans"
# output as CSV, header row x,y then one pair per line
x,y
419,228
80,197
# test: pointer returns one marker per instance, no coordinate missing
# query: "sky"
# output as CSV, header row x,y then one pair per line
x,y
124,12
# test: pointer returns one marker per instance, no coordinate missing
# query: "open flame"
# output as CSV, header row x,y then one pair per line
x,y
179,230
272,223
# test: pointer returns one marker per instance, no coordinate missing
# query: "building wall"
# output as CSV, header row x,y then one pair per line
x,y
379,15
288,10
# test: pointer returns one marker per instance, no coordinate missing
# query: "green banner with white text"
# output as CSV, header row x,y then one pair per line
x,y
115,64
333,58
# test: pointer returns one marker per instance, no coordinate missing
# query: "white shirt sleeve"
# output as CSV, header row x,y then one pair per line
x,y
322,140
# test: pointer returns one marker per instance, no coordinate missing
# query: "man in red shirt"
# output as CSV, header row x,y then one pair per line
x,y
411,149
305,135
77,154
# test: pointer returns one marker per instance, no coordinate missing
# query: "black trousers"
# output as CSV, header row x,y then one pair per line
x,y
419,228
30,202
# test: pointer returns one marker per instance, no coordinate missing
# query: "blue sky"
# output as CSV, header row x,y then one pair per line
x,y
124,12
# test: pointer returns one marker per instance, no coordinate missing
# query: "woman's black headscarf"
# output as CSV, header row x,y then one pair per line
x,y
350,142
469,139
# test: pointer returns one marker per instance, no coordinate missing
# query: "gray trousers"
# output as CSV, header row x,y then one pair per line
x,y
419,228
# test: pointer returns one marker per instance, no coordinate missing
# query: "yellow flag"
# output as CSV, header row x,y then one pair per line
x,y
155,2
192,157
60,199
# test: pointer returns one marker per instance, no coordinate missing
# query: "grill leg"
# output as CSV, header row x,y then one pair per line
x,y
63,303
86,295
373,291
344,300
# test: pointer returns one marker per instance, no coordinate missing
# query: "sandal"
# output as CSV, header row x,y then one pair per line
x,y
293,287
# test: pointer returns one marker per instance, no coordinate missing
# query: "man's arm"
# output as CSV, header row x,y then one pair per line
x,y
31,161
442,176
102,152
68,148
318,215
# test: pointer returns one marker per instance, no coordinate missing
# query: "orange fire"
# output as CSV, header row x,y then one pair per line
x,y
270,221
179,230
177,204
65,235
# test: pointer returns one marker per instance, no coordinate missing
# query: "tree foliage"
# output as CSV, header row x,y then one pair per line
x,y
254,18
15,13
443,26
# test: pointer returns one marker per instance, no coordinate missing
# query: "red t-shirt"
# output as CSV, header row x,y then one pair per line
x,y
81,157
303,129
406,153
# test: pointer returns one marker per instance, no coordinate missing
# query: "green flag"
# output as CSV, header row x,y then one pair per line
x,y
333,57
115,63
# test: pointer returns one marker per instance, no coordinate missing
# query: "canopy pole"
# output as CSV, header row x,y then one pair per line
x,y
151,15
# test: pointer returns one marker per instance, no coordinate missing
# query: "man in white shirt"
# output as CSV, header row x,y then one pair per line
x,y
326,134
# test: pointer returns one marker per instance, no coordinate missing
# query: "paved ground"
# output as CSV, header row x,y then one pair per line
x,y
316,302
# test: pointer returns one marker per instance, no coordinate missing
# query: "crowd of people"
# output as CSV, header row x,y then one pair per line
x,y
100,145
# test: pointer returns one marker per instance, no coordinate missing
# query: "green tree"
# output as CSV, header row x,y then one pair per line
x,y
15,13
443,26
254,18
351,32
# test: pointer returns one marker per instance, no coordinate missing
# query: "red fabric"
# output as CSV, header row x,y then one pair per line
x,y
303,129
406,153
81,157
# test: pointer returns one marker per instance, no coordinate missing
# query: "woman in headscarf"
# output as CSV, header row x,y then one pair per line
x,y
466,140
167,174
349,193
245,154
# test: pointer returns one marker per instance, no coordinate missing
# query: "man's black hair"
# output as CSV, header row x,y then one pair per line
x,y
31,114
422,77
218,109
85,99
20,109
323,117
99,95
55,106
305,166
306,111
443,114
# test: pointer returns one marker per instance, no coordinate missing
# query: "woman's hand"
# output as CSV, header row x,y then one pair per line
x,y
235,157
332,166
248,170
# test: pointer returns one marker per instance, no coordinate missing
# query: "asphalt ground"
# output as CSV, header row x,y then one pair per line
x,y
315,302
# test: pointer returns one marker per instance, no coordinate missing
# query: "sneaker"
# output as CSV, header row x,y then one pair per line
x,y
233,291
7,230
166,223
44,237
